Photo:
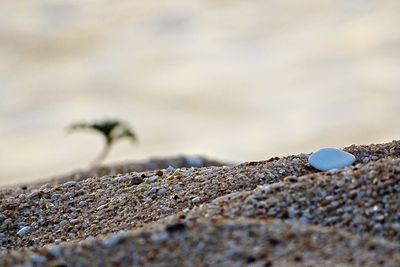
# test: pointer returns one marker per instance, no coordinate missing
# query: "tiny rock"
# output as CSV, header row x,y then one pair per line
x,y
153,190
102,207
121,179
153,178
33,194
63,223
24,230
70,184
196,200
161,191
170,169
115,239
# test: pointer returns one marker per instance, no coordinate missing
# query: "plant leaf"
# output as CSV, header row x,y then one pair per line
x,y
112,130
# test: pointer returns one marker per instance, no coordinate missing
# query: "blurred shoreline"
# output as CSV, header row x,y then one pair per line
x,y
236,81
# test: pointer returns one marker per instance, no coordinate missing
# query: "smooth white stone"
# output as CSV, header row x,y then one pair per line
x,y
329,158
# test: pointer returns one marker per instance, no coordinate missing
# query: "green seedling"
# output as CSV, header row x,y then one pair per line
x,y
111,130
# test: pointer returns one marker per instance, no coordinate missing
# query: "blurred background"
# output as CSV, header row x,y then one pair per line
x,y
231,80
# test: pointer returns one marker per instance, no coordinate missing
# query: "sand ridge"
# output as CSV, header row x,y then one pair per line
x,y
348,209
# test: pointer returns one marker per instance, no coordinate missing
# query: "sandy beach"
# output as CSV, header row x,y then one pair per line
x,y
277,212
199,133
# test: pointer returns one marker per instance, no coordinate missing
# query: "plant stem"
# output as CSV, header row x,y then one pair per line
x,y
104,153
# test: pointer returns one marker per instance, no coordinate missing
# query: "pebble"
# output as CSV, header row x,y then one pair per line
x,y
70,184
43,187
196,200
115,239
153,178
24,231
148,200
63,223
121,179
176,227
153,190
161,191
33,194
170,169
102,207
327,159
166,210
136,180
55,250
48,205
75,221
178,189
379,217
55,197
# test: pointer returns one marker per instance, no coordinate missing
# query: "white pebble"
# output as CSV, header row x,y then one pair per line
x,y
196,200
70,183
102,207
24,230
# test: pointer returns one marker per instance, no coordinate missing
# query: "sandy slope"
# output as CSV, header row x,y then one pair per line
x,y
279,212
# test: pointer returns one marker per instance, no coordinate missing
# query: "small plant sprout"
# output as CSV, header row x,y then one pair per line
x,y
111,130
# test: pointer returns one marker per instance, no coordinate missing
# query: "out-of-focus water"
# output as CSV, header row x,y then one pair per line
x,y
234,80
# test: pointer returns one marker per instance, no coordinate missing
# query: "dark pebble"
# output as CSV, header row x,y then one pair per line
x,y
175,227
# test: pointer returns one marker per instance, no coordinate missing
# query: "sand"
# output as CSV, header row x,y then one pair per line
x,y
278,212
